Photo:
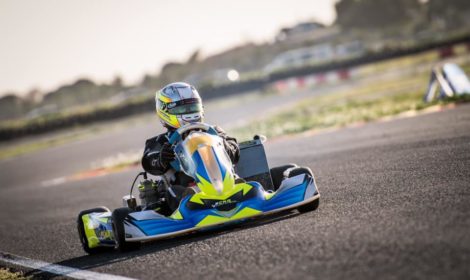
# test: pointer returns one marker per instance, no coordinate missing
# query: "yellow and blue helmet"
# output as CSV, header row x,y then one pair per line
x,y
178,104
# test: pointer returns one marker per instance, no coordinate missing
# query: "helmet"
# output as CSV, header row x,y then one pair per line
x,y
178,104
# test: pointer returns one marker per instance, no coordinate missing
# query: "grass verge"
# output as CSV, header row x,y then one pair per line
x,y
26,148
363,104
6,274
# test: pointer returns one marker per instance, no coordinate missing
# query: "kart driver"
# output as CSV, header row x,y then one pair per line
x,y
178,104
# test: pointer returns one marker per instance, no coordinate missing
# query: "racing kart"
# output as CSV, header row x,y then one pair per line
x,y
223,194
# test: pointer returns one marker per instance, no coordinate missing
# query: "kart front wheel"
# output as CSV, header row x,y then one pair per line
x,y
118,217
311,206
81,230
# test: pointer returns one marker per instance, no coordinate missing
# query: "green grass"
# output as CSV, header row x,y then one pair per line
x,y
6,274
20,149
363,104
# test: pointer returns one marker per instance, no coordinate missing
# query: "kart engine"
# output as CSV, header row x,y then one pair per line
x,y
151,194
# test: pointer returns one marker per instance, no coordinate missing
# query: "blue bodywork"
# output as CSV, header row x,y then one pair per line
x,y
288,195
219,200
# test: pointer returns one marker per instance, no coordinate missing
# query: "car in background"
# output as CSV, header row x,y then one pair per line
x,y
316,55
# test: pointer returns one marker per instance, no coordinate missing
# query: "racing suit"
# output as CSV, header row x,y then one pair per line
x,y
155,164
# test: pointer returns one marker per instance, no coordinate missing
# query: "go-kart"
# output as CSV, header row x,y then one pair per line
x,y
223,194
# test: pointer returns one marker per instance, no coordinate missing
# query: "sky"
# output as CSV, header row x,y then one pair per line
x,y
46,43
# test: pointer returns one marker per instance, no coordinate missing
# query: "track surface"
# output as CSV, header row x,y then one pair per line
x,y
395,204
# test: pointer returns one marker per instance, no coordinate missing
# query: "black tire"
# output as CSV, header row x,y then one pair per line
x,y
313,205
81,230
118,216
300,170
277,174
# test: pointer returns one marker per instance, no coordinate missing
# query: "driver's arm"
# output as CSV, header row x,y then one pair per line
x,y
156,158
231,145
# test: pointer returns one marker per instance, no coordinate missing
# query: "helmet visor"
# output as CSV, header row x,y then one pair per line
x,y
188,108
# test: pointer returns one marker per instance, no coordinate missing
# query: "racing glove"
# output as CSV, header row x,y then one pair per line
x,y
232,149
230,145
166,154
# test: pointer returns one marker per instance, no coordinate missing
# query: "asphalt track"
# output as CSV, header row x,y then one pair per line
x,y
395,204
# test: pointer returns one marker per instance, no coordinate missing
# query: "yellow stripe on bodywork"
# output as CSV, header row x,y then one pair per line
x,y
246,188
205,186
196,198
228,187
177,215
213,220
269,195
90,234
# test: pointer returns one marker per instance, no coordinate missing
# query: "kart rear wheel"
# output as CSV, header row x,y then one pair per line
x,y
277,174
118,217
81,230
300,170
313,205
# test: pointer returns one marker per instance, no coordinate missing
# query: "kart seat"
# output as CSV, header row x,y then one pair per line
x,y
253,164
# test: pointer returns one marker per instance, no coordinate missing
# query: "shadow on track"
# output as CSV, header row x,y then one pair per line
x,y
87,262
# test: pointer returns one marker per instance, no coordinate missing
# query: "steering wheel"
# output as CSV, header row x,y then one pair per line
x,y
177,135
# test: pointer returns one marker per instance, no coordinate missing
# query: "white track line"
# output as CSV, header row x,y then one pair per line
x,y
66,271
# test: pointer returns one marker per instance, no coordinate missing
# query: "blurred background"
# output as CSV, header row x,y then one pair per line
x,y
77,88
73,63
